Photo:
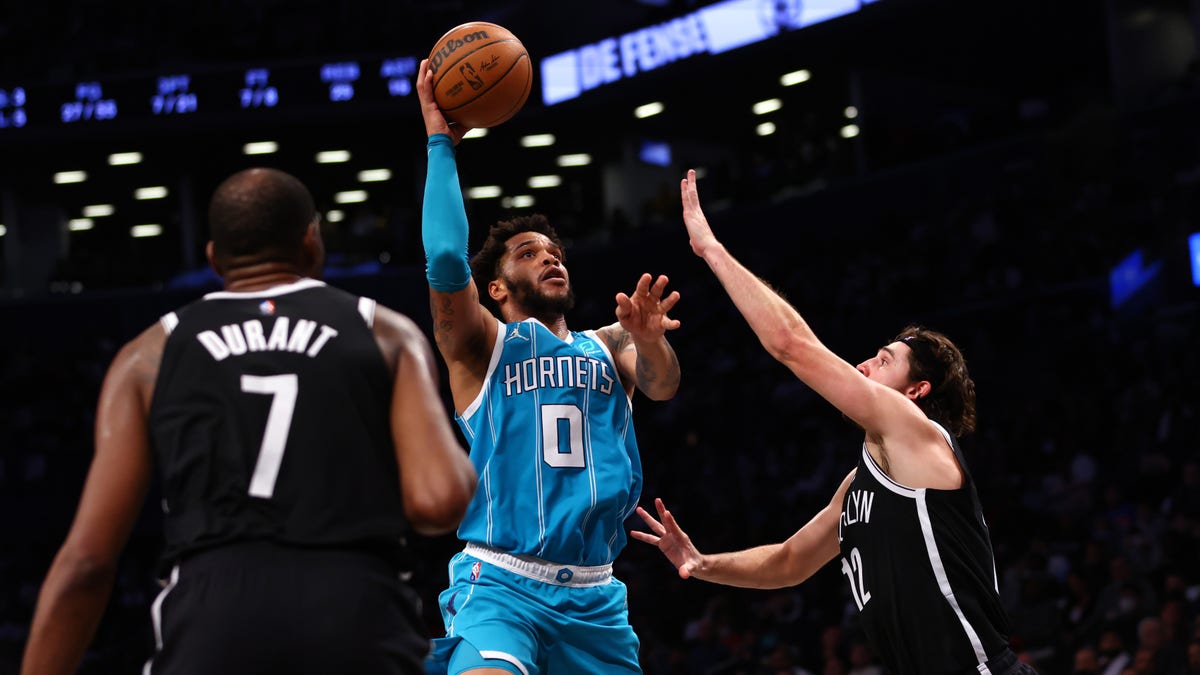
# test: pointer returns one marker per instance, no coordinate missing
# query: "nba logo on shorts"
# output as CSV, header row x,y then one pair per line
x,y
475,569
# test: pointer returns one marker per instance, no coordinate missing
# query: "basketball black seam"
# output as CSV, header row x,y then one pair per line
x,y
450,66
524,55
525,96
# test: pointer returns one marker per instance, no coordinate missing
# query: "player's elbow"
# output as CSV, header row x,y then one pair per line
x,y
438,511
786,346
81,570
431,522
662,391
658,378
439,253
800,572
666,394
447,269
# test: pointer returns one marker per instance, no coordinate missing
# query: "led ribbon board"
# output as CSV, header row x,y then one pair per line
x,y
714,29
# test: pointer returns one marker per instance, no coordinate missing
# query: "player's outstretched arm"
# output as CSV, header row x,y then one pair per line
x,y
770,566
780,328
638,340
436,477
77,587
463,329
783,332
674,543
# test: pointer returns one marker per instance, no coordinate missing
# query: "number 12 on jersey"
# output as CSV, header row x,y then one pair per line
x,y
283,390
852,568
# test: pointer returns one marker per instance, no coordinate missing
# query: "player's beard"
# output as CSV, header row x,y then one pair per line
x,y
529,297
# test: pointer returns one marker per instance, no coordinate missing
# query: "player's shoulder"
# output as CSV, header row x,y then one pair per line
x,y
137,362
151,338
387,319
614,336
396,331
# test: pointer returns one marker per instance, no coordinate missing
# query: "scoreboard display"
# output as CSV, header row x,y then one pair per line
x,y
231,94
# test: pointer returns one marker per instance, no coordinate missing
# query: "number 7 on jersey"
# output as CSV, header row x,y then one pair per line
x,y
283,390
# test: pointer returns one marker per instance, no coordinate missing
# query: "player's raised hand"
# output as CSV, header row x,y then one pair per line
x,y
435,122
700,235
670,539
644,314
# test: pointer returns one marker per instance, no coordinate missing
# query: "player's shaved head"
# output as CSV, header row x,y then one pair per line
x,y
259,214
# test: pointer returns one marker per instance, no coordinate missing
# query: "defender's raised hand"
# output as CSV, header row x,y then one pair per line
x,y
700,235
670,539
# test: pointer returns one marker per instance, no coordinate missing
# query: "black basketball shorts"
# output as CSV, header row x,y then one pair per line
x,y
257,608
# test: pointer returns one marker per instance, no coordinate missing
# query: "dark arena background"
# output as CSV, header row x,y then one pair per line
x,y
1021,175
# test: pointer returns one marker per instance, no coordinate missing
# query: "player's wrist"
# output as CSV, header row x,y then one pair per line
x,y
648,340
710,248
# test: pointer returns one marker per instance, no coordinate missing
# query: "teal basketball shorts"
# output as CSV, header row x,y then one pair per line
x,y
532,617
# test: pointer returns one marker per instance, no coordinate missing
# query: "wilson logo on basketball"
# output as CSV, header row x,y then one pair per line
x,y
452,45
481,74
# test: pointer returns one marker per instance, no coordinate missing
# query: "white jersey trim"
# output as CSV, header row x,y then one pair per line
x,y
884,479
156,617
931,550
503,656
458,557
939,572
612,360
366,307
945,434
545,571
169,321
539,439
570,339
267,293
497,350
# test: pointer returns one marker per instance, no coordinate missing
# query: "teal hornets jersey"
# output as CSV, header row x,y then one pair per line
x,y
552,439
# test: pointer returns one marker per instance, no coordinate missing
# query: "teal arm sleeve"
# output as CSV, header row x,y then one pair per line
x,y
444,220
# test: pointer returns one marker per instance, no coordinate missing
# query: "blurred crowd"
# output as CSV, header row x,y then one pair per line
x,y
1086,454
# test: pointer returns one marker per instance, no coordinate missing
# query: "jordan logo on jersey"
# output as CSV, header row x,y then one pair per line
x,y
515,334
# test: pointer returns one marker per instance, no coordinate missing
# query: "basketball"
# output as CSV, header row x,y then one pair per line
x,y
481,74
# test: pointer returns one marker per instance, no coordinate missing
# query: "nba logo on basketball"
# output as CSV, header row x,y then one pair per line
x,y
475,569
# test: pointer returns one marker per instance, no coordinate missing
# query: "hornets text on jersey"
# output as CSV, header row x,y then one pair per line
x,y
552,439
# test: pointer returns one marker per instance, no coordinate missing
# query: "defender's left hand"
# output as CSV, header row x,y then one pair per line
x,y
644,314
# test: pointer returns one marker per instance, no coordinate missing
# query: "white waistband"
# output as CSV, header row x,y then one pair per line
x,y
542,570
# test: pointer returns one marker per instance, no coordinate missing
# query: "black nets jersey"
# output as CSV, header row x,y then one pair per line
x,y
270,421
921,570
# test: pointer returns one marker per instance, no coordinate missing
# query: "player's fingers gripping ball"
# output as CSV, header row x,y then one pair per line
x,y
482,74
